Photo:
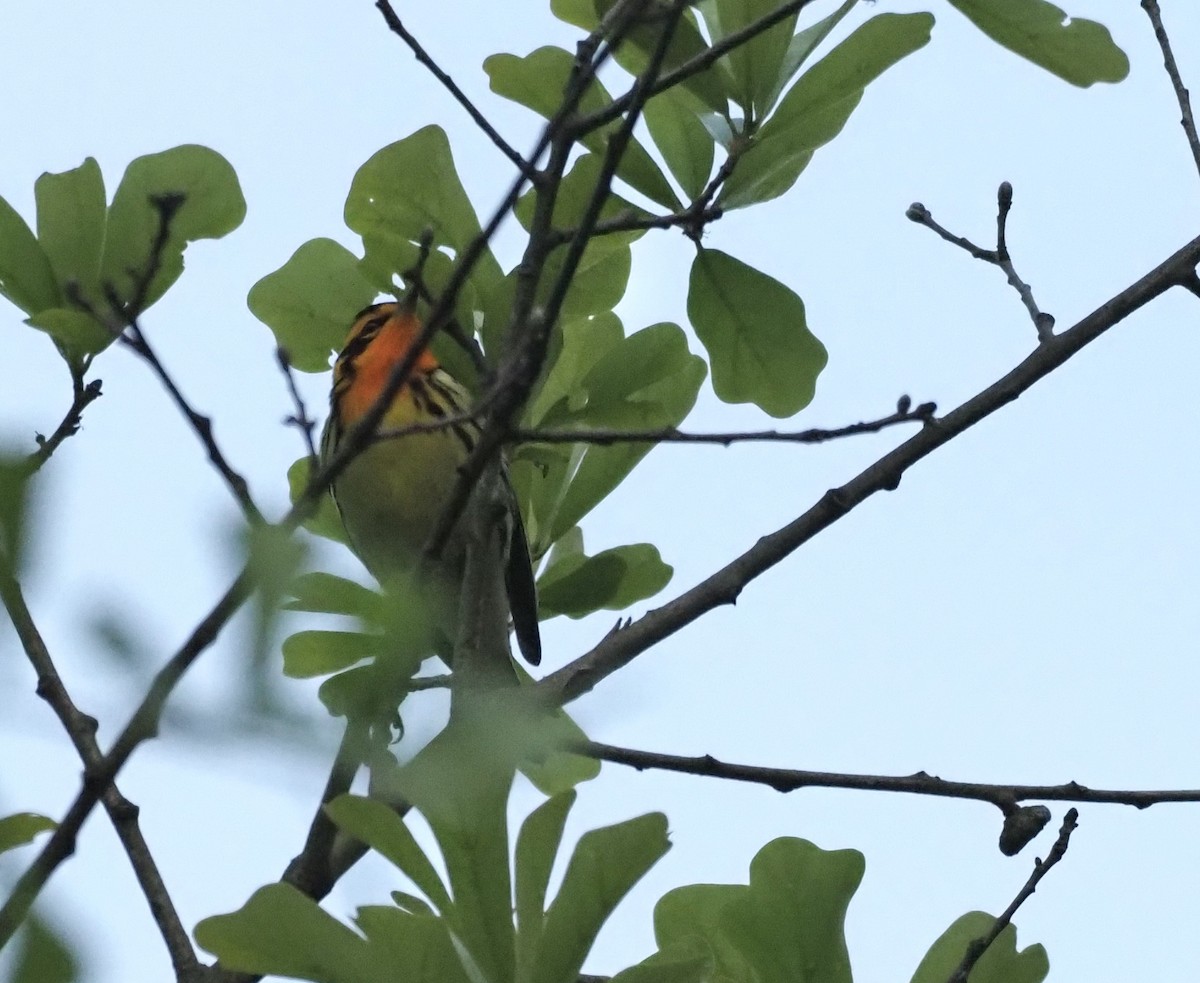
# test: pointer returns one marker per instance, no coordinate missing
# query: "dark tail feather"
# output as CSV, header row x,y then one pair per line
x,y
522,594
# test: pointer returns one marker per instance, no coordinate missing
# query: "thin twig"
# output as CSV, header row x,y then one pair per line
x,y
84,396
1042,323
669,435
81,728
1041,868
1187,120
299,418
397,27
1004,797
723,587
629,221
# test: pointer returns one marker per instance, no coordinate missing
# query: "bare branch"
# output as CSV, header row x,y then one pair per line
x,y
1004,797
84,396
977,948
81,728
1187,120
1043,323
622,646
528,170
669,435
299,418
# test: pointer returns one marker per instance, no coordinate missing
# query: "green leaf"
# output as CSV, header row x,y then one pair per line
x,y
688,920
385,833
309,303
212,207
71,212
646,381
803,43
76,333
552,771
577,585
318,653
26,276
1002,963
326,593
663,967
538,82
753,326
605,865
273,555
415,948
682,138
325,521
817,107
537,846
790,925
21,828
1078,51
407,189
281,931
755,66
42,956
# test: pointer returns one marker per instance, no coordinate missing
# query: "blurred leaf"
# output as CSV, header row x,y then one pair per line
x,y
682,139
385,832
71,212
756,67
21,828
309,303
318,653
577,585
688,920
273,556
212,207
538,82
42,956
537,847
414,948
753,326
1000,964
14,510
26,276
460,783
281,931
551,771
605,865
325,593
1078,51
325,521
790,925
816,108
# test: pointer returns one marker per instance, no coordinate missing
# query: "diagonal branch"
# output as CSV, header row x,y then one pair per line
x,y
81,728
84,396
397,27
977,948
1186,120
723,587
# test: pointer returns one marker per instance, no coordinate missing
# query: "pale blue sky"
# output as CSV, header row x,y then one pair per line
x,y
1021,609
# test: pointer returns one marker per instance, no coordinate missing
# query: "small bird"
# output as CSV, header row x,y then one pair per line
x,y
391,495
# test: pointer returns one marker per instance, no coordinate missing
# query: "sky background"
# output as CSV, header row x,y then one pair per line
x,y
1021,609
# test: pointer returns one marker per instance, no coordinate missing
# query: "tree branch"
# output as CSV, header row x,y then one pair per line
x,y
1004,797
1042,323
397,27
977,948
622,646
84,396
1187,120
669,435
81,728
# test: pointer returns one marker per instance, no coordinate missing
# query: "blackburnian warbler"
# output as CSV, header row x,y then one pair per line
x,y
392,494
